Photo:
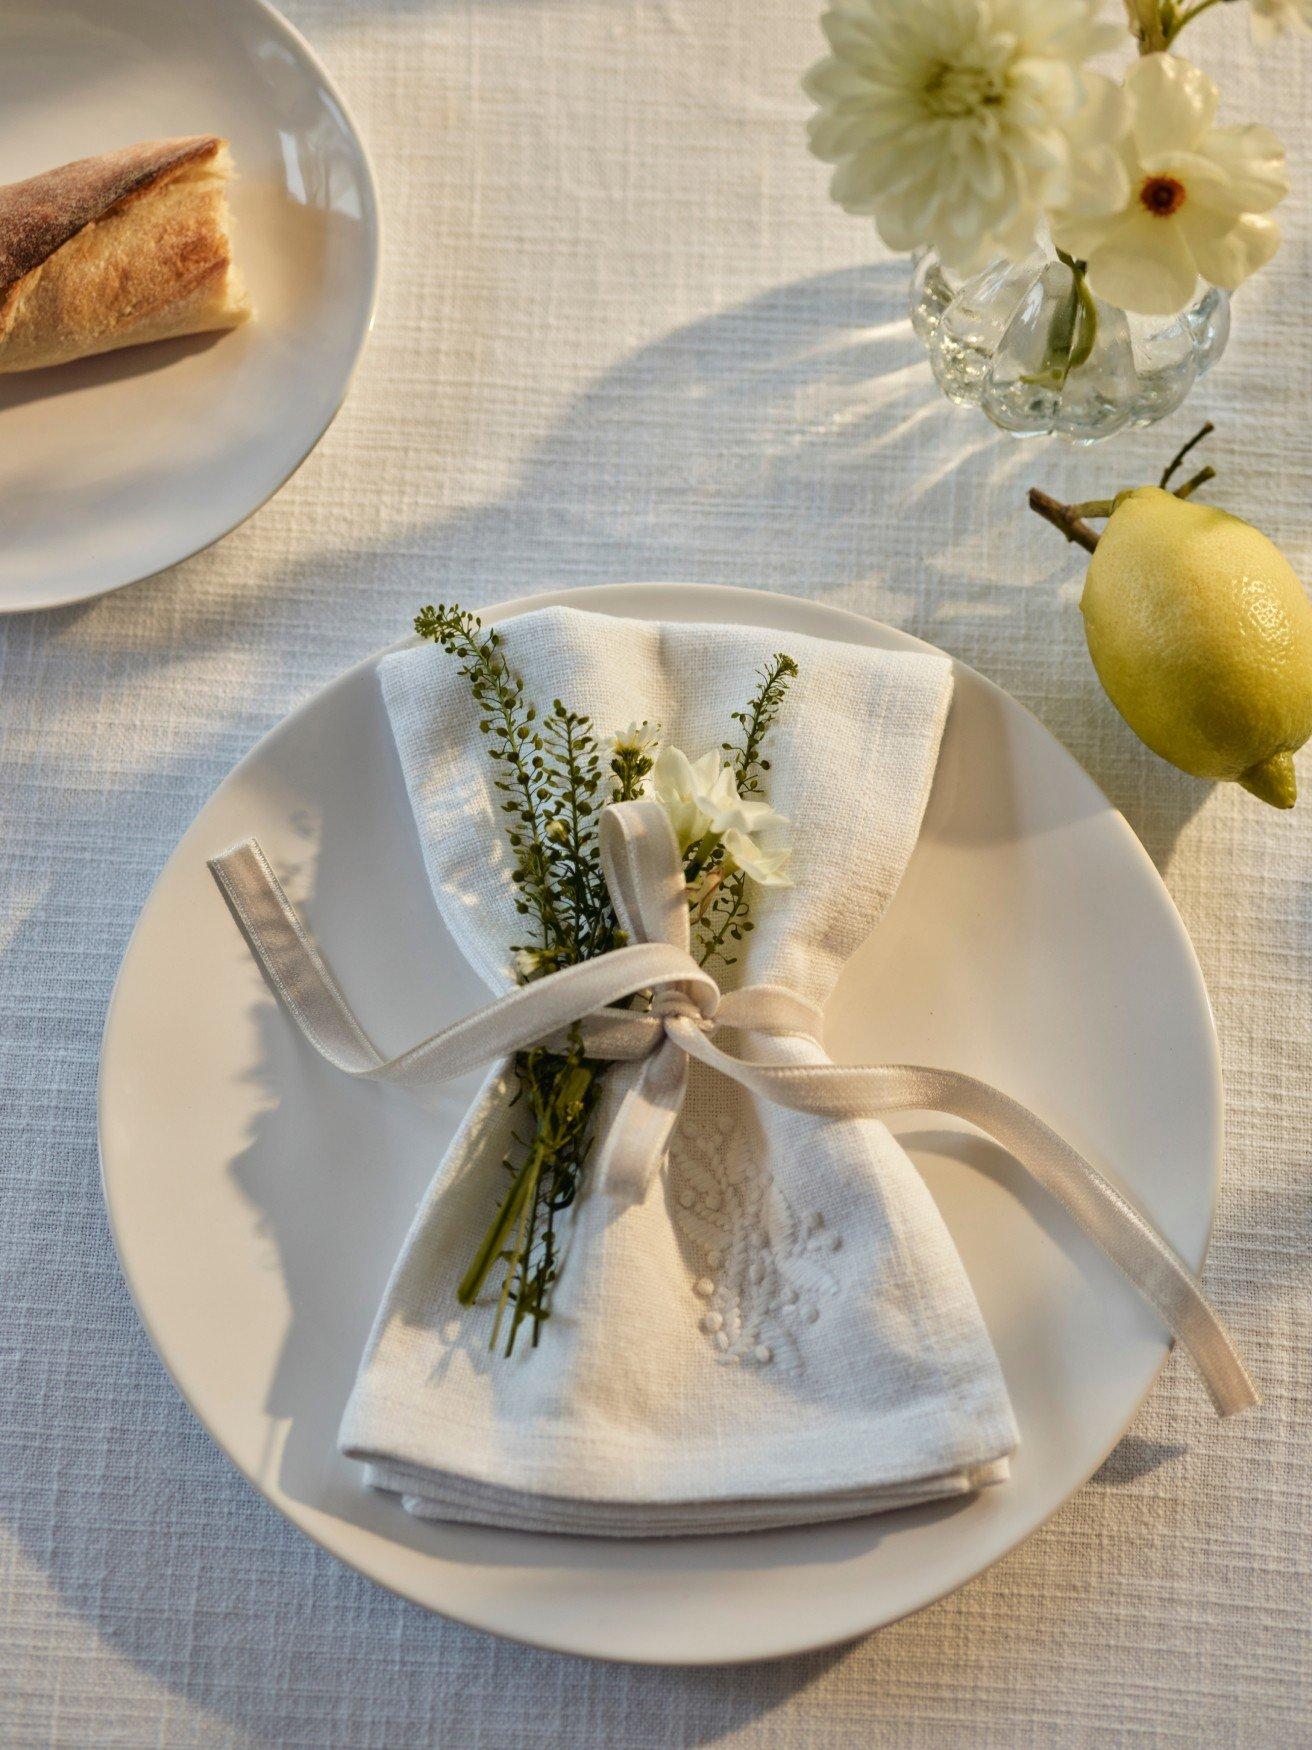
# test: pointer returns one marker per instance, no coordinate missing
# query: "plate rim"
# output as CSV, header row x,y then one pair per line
x,y
47,603
787,1646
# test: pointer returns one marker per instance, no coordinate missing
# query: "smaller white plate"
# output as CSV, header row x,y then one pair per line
x,y
114,467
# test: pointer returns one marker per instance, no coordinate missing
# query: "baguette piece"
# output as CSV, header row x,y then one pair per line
x,y
116,250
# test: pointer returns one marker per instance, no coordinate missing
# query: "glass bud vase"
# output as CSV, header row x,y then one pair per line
x,y
1029,344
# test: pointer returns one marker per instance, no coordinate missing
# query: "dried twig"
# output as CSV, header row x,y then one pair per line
x,y
1169,470
1062,517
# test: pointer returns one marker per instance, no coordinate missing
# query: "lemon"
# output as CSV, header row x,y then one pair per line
x,y
1202,636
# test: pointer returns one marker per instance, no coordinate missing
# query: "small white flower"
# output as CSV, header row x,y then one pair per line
x,y
637,738
726,811
763,863
676,783
701,796
1270,17
1198,197
957,122
531,962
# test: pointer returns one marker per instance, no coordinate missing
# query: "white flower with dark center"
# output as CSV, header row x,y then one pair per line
x,y
1198,197
1271,17
957,122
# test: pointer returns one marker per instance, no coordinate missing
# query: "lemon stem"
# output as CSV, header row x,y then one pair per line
x,y
1063,518
1069,518
1199,479
1172,468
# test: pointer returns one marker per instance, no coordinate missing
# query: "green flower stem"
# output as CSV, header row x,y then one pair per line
x,y
1087,321
1073,330
525,1180
516,1260
1173,20
700,856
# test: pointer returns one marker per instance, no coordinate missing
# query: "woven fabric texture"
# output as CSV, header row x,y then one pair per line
x,y
892,1392
623,336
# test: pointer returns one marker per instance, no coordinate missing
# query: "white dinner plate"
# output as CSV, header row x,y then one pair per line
x,y
113,467
258,1198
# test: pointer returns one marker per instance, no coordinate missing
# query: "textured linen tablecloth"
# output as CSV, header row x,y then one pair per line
x,y
622,335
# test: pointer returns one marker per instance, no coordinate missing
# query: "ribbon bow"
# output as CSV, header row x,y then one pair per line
x,y
644,874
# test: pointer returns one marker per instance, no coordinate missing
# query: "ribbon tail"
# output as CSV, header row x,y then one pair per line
x,y
1122,1232
580,996
291,962
639,1134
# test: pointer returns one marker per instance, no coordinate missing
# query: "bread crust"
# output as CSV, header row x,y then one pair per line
x,y
114,251
39,215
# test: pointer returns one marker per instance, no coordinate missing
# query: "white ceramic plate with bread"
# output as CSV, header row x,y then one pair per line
x,y
188,262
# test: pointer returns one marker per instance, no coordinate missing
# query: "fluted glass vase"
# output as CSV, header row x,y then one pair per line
x,y
1029,344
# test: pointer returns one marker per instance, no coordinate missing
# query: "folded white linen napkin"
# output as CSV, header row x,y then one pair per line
x,y
778,1330
782,1330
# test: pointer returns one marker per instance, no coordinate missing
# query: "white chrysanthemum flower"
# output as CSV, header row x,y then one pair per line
x,y
1198,197
701,796
637,738
957,122
1271,17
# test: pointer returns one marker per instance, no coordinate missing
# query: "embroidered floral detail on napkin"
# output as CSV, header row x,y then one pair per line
x,y
763,1278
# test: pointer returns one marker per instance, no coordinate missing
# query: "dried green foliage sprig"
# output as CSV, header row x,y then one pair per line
x,y
515,743
558,1093
757,720
552,785
720,910
553,779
